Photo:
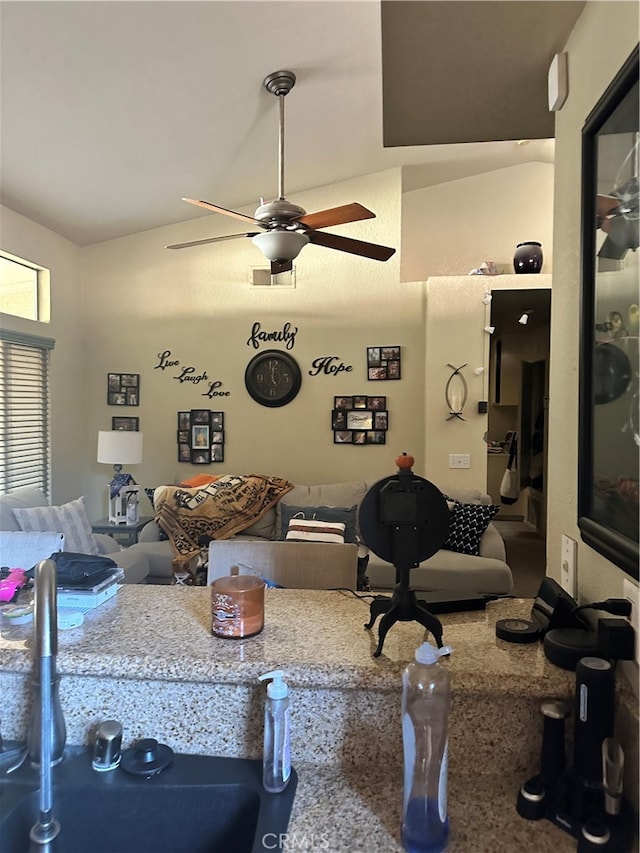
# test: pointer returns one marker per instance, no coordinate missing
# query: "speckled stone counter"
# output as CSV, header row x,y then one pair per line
x,y
148,658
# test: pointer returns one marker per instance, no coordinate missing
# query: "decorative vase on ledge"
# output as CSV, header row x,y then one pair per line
x,y
528,257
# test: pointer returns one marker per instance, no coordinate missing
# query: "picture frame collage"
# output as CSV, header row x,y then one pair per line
x,y
123,389
383,363
360,420
200,436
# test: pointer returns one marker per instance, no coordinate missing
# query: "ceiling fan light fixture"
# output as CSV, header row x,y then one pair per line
x,y
280,244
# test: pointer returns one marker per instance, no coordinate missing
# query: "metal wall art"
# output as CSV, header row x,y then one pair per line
x,y
455,392
123,389
383,363
200,436
359,420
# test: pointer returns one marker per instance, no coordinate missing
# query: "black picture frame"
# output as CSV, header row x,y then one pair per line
x,y
200,436
123,389
608,449
384,363
364,422
125,423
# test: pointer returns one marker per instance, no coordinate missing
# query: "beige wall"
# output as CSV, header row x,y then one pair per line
x,y
451,228
30,241
142,300
602,39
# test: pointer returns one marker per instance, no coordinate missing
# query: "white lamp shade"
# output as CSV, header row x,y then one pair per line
x,y
120,447
280,245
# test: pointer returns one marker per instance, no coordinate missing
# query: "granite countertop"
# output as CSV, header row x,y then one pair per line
x,y
318,637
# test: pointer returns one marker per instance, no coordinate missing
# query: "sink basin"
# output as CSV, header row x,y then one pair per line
x,y
199,804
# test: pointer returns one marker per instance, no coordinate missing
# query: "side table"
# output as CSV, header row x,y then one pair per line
x,y
126,534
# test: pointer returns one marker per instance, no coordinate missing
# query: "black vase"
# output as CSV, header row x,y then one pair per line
x,y
528,257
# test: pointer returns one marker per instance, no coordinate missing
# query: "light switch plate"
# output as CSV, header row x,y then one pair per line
x,y
459,460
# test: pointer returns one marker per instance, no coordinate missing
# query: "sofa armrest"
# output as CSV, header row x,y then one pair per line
x,y
492,544
149,533
106,544
297,565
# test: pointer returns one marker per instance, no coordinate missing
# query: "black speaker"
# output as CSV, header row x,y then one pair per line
x,y
594,717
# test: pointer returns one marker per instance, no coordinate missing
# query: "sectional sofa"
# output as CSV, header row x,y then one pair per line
x,y
319,565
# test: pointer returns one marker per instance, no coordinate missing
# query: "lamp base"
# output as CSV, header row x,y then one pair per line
x,y
123,508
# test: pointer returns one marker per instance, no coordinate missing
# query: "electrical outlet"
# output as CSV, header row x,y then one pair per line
x,y
569,550
631,592
459,460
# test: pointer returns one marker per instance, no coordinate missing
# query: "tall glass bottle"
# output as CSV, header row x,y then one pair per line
x,y
426,700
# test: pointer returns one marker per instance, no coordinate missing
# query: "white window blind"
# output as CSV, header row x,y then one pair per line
x,y
24,411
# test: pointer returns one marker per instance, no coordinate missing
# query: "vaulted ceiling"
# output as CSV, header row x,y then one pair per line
x,y
111,112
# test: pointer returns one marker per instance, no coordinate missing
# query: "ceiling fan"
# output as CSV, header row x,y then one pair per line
x,y
286,227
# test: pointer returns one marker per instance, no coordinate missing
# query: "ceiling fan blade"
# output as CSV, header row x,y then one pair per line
x,y
217,209
348,244
281,266
353,212
210,240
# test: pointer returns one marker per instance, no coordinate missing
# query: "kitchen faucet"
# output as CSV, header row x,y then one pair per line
x,y
47,734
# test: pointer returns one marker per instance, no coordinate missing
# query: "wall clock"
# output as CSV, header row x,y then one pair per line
x,y
273,378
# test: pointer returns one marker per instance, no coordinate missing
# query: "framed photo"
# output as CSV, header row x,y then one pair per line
x,y
360,437
339,419
217,438
359,419
200,456
200,416
184,436
217,452
360,402
217,421
200,436
609,435
184,452
123,389
376,437
376,403
184,420
343,402
381,420
342,437
383,363
131,424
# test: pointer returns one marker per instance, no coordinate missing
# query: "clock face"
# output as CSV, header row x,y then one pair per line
x,y
273,378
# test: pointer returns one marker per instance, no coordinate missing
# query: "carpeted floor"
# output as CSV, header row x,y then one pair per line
x,y
525,555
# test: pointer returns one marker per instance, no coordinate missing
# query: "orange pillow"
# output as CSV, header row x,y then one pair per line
x,y
199,480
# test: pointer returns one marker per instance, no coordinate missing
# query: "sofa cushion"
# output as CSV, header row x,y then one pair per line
x,y
329,494
330,514
70,519
27,496
468,523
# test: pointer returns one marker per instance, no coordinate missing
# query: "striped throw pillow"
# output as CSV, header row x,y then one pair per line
x,y
310,530
70,519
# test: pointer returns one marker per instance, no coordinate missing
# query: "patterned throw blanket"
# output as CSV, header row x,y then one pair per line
x,y
217,510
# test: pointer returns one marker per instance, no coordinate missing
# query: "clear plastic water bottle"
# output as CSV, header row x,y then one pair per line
x,y
426,699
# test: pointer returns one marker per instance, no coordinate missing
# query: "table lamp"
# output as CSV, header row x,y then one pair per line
x,y
118,448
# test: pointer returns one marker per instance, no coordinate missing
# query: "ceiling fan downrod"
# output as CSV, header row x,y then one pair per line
x,y
280,83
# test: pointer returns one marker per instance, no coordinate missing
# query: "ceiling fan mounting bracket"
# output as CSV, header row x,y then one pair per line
x,y
280,82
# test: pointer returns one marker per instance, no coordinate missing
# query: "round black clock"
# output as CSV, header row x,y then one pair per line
x,y
273,378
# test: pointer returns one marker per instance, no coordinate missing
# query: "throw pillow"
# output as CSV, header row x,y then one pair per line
x,y
468,523
70,519
162,537
311,530
331,514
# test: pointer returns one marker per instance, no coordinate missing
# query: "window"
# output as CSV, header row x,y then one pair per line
x,y
24,289
24,411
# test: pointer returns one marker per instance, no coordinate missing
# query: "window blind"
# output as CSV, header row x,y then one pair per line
x,y
25,445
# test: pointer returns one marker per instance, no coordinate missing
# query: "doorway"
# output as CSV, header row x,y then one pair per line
x,y
518,400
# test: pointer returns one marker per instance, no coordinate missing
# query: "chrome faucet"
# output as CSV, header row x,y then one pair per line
x,y
47,734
